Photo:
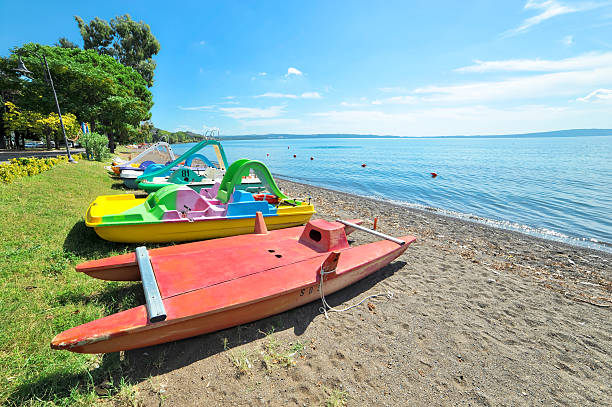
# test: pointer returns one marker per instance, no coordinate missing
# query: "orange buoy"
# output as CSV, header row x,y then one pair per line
x,y
268,155
433,174
311,158
363,165
294,155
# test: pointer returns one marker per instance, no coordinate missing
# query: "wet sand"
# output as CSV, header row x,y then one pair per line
x,y
478,316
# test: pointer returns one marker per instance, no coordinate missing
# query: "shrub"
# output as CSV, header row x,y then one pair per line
x,y
96,146
23,167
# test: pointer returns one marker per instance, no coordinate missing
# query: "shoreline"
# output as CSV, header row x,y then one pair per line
x,y
478,315
601,247
448,222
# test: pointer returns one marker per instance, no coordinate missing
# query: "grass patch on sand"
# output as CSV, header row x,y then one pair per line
x,y
336,398
42,237
240,360
277,353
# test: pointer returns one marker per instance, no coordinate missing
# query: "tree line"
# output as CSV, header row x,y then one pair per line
x,y
105,84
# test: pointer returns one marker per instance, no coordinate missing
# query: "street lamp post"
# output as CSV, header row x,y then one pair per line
x,y
43,61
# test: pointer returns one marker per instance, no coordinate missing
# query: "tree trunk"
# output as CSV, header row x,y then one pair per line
x,y
111,141
48,141
3,131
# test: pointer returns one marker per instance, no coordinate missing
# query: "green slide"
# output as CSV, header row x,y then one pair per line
x,y
238,169
167,170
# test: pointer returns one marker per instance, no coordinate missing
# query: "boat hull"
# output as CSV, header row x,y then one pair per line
x,y
198,230
230,303
130,183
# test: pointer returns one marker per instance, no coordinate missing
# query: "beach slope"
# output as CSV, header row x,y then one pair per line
x,y
478,316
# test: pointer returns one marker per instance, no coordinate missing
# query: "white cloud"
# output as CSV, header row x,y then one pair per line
x,y
208,107
305,95
599,94
276,95
293,71
393,89
449,121
229,97
186,127
568,40
439,121
397,100
537,86
549,9
353,104
311,95
259,75
352,115
252,112
586,61
271,122
202,43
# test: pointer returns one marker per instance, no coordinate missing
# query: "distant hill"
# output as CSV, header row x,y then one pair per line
x,y
175,137
188,136
555,133
298,136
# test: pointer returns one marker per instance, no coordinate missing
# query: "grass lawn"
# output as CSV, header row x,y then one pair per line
x,y
42,237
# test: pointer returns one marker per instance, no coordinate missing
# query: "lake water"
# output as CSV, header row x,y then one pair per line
x,y
559,188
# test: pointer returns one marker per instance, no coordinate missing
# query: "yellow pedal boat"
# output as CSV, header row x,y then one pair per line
x,y
178,213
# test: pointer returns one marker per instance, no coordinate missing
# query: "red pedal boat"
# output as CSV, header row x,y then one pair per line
x,y
196,288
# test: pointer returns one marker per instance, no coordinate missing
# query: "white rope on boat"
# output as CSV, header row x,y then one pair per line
x,y
326,307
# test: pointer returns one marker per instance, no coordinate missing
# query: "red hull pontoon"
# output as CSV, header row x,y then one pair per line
x,y
216,284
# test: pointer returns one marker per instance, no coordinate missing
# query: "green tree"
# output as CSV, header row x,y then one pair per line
x,y
96,88
10,86
25,123
66,43
50,126
37,126
143,134
129,42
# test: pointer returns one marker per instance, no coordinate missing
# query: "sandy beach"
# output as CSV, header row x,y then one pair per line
x,y
478,316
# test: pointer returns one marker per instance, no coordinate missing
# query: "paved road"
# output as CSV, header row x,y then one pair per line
x,y
6,155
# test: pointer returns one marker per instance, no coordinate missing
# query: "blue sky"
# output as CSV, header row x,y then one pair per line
x,y
417,68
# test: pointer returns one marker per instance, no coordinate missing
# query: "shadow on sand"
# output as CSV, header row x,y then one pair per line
x,y
145,362
120,186
141,364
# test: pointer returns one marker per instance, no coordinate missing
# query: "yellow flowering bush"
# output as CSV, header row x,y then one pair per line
x,y
24,167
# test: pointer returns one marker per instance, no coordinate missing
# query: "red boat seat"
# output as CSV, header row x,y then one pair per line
x,y
324,236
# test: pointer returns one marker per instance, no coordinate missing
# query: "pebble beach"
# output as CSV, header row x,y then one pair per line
x,y
476,316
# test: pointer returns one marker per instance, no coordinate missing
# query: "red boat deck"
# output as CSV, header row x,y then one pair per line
x,y
125,268
224,286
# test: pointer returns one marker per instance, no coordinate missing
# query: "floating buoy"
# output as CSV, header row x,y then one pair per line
x,y
311,158
363,165
294,155
268,155
433,174
287,147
